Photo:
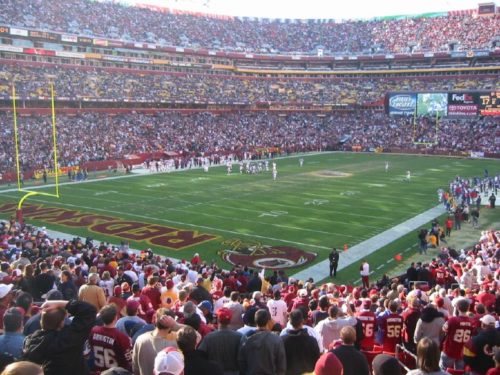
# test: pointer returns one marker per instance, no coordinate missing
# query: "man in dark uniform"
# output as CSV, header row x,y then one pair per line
x,y
334,262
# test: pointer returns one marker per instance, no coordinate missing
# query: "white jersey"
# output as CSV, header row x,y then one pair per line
x,y
220,303
301,162
386,166
275,174
278,310
408,175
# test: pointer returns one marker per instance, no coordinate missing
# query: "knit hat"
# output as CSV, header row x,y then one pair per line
x,y
328,364
384,364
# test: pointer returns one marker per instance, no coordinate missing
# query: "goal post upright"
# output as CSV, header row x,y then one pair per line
x,y
29,193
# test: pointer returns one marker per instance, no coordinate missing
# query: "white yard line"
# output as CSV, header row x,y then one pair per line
x,y
38,187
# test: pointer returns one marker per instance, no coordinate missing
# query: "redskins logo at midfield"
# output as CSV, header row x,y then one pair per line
x,y
256,255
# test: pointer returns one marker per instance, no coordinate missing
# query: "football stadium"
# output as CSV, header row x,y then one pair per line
x,y
197,187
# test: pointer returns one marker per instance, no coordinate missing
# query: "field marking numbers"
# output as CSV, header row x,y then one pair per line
x,y
273,213
317,202
350,193
159,184
198,179
105,192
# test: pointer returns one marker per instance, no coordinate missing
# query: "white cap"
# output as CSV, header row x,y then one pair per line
x,y
169,361
488,319
5,289
302,293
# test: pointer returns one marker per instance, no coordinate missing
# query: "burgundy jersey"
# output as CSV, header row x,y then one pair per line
x,y
458,332
392,326
369,322
111,348
441,276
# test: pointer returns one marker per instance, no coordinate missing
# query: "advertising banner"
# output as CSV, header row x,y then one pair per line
x,y
20,32
462,104
402,104
69,38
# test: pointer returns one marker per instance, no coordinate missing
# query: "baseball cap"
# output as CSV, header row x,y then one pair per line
x,y
328,364
224,315
53,295
302,293
116,371
384,364
367,303
205,305
169,361
169,284
5,289
132,305
488,319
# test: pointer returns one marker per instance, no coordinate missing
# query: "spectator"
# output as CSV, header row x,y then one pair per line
x,y
278,309
67,287
195,361
329,328
458,330
384,364
23,368
222,346
149,344
263,352
58,347
353,362
302,350
11,342
110,346
237,311
430,325
427,358
328,364
169,361
92,293
6,296
131,321
478,351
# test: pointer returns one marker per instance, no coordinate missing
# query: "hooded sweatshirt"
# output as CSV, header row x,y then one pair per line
x,y
263,354
430,325
61,351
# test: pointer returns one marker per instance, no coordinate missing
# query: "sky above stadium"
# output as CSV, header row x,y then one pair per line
x,y
319,9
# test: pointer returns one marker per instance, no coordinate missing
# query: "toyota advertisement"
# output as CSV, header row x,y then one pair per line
x,y
462,104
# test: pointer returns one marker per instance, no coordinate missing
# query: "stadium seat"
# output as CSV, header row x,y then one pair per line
x,y
370,355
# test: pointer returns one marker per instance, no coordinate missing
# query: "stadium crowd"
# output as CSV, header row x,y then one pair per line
x,y
32,82
149,314
96,136
85,17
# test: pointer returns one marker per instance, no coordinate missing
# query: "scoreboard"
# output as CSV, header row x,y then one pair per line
x,y
489,103
451,104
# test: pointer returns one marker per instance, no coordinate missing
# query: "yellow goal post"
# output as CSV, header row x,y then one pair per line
x,y
20,183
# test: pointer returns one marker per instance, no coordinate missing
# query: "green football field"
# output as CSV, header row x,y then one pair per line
x,y
332,200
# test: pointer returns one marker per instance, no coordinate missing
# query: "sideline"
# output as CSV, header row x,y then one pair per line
x,y
141,174
320,270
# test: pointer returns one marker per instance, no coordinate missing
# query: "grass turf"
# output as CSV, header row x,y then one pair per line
x,y
309,208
